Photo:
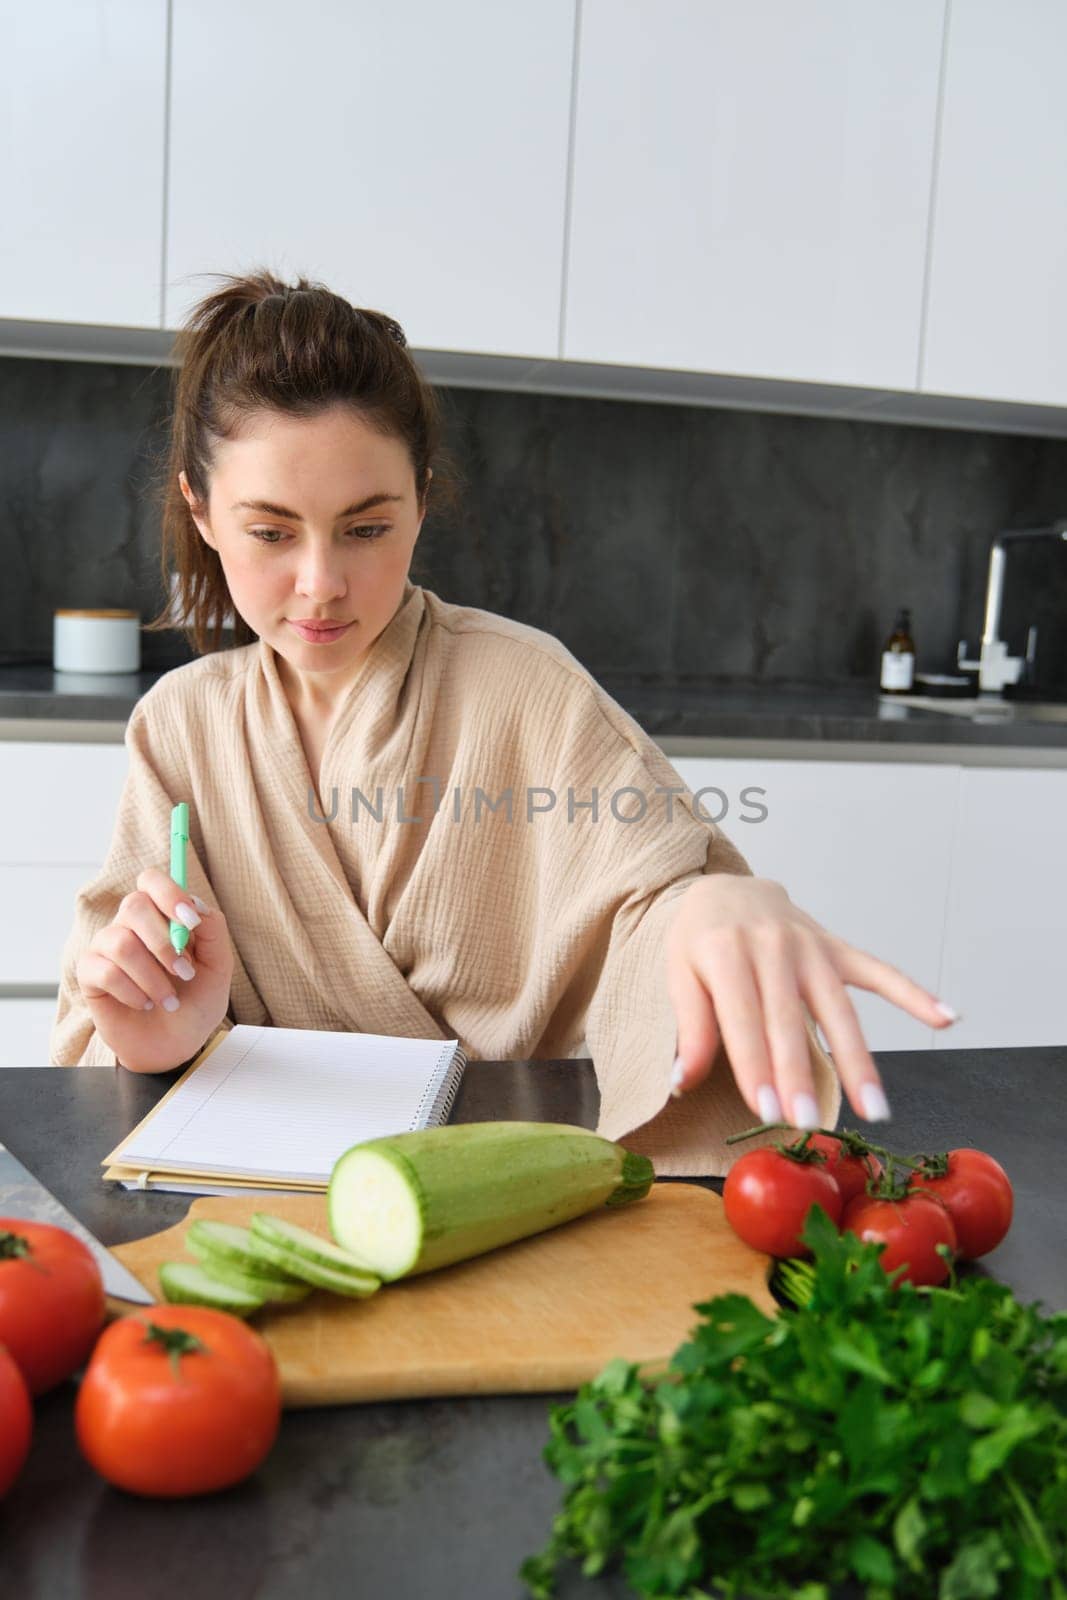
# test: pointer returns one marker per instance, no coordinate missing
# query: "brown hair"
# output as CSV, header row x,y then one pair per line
x,y
259,343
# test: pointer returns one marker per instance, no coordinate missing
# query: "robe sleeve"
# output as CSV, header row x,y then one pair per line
x,y
155,782
630,880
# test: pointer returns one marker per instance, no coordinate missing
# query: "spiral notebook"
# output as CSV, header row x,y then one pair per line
x,y
274,1108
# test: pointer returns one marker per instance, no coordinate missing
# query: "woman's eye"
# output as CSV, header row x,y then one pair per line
x,y
274,535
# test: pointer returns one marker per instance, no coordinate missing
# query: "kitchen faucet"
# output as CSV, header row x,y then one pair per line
x,y
995,667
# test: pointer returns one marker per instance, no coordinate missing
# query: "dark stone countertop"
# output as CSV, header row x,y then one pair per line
x,y
411,1499
804,712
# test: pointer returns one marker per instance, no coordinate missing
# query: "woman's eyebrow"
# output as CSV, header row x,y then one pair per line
x,y
272,510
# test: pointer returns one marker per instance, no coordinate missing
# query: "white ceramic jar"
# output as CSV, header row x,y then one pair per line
x,y
96,641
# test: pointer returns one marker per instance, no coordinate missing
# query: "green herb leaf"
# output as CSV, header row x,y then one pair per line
x,y
912,1440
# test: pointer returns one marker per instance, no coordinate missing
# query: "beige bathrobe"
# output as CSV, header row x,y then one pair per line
x,y
382,905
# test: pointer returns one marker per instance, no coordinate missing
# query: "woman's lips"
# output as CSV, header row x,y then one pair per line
x,y
319,635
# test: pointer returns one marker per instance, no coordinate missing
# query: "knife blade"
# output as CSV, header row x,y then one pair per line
x,y
23,1195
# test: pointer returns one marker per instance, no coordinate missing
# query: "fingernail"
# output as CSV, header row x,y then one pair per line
x,y
184,968
947,1012
770,1107
171,1003
201,905
187,915
805,1111
149,1005
874,1103
677,1072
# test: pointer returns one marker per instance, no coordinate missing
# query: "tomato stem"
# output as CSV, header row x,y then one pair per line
x,y
803,1152
16,1247
764,1127
893,1183
177,1342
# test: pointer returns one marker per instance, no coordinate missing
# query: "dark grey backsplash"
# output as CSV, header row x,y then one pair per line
x,y
661,543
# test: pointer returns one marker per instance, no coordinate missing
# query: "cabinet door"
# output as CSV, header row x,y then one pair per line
x,y
83,89
997,316
31,945
752,186
59,802
26,1032
58,805
1006,933
411,156
863,847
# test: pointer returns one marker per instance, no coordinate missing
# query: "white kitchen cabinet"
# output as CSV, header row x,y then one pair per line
x,y
997,316
83,89
58,801
1006,929
25,1032
58,805
413,157
31,943
752,185
864,847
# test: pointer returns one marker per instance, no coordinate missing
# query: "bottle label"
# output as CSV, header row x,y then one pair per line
x,y
898,669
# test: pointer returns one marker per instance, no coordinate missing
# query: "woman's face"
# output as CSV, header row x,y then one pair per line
x,y
313,519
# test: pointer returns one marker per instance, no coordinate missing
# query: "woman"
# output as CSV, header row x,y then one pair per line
x,y
427,819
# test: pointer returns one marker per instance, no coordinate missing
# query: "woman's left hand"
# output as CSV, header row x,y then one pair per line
x,y
742,961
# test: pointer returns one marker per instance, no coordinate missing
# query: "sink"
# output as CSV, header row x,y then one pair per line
x,y
986,708
1040,711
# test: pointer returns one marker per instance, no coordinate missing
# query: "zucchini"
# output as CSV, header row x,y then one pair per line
x,y
223,1244
183,1284
416,1201
314,1260
279,1290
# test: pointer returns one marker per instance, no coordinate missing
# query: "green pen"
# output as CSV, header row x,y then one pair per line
x,y
179,839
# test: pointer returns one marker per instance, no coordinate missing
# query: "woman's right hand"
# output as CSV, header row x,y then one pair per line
x,y
130,964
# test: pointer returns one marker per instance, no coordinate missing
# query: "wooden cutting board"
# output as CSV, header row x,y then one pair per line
x,y
543,1314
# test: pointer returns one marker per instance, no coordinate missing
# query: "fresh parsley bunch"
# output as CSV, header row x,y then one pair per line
x,y
913,1441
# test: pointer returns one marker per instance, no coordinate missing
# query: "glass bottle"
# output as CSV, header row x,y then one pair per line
x,y
898,657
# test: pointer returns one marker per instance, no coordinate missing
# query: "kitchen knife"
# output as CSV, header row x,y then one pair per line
x,y
21,1195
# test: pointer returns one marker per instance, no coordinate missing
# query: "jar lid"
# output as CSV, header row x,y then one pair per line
x,y
118,612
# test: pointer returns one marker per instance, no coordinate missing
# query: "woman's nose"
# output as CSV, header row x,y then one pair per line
x,y
320,578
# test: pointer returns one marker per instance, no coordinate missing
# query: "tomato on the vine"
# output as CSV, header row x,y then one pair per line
x,y
850,1170
16,1421
767,1196
975,1191
178,1400
910,1227
52,1301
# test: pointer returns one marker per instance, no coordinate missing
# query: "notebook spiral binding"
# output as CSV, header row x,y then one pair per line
x,y
439,1096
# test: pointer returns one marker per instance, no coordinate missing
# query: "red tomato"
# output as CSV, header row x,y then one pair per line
x,y
52,1302
910,1228
851,1172
16,1421
978,1196
178,1400
767,1197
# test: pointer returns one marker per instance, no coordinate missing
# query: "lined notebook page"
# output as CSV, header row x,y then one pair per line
x,y
286,1103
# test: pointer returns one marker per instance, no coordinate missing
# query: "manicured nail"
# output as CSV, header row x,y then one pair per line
x,y
874,1103
187,915
184,968
677,1073
149,1005
805,1111
171,1003
201,905
770,1107
947,1012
